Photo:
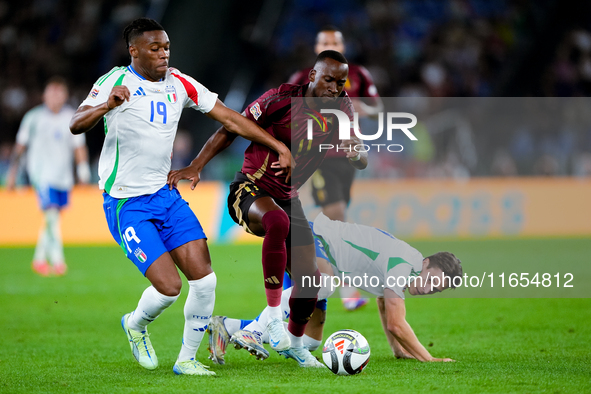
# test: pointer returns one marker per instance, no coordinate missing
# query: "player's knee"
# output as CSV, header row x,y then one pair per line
x,y
276,222
171,288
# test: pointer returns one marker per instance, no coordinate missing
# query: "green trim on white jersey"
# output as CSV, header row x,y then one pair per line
x,y
363,251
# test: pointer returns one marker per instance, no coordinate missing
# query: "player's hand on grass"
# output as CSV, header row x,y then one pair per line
x,y
442,360
191,173
119,94
286,163
403,355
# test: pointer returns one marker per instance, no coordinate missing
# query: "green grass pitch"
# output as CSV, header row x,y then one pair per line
x,y
62,335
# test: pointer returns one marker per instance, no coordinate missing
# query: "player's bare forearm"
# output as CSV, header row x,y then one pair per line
x,y
397,349
15,158
371,108
87,117
396,324
238,124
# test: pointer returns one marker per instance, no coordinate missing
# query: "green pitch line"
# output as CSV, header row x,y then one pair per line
x,y
62,335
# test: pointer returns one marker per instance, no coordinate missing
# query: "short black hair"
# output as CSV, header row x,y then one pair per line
x,y
137,27
329,53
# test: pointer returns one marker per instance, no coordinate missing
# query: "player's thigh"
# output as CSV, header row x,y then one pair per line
x,y
132,228
193,259
300,232
184,238
247,203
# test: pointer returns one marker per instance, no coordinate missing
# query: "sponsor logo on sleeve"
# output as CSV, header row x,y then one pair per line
x,y
93,93
255,110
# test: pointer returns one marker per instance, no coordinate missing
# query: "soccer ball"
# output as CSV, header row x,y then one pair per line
x,y
346,352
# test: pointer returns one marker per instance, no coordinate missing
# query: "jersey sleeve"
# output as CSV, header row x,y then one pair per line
x,y
102,88
300,77
198,96
369,88
24,131
258,111
397,275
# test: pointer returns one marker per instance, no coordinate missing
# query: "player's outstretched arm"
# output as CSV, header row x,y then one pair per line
x,y
395,317
17,153
371,109
397,349
238,124
87,117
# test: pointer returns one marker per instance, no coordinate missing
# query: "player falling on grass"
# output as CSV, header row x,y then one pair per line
x,y
266,204
359,251
141,105
331,183
51,151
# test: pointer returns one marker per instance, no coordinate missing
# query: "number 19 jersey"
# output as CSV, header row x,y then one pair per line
x,y
139,134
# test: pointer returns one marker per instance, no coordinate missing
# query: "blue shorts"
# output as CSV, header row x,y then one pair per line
x,y
52,198
148,226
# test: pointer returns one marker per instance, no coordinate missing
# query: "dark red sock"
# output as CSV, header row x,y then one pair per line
x,y
276,226
302,304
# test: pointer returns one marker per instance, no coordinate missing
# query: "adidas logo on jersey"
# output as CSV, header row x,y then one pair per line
x,y
139,92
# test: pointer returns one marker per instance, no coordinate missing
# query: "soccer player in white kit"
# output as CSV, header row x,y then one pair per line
x,y
374,261
51,151
141,105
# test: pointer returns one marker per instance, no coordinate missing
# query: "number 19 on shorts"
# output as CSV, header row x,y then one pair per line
x,y
160,109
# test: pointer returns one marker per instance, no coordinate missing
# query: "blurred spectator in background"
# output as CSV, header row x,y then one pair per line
x,y
51,150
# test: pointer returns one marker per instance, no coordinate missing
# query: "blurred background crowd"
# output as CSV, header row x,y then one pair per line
x,y
467,49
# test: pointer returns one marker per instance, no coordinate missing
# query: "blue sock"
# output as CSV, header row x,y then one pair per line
x,y
287,283
244,323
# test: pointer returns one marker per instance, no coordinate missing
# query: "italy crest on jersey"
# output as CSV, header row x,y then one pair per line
x,y
171,94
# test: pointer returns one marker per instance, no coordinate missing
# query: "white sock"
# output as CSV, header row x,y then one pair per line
x,y
256,327
281,312
295,341
272,312
151,305
198,309
232,325
55,245
41,247
285,302
311,343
